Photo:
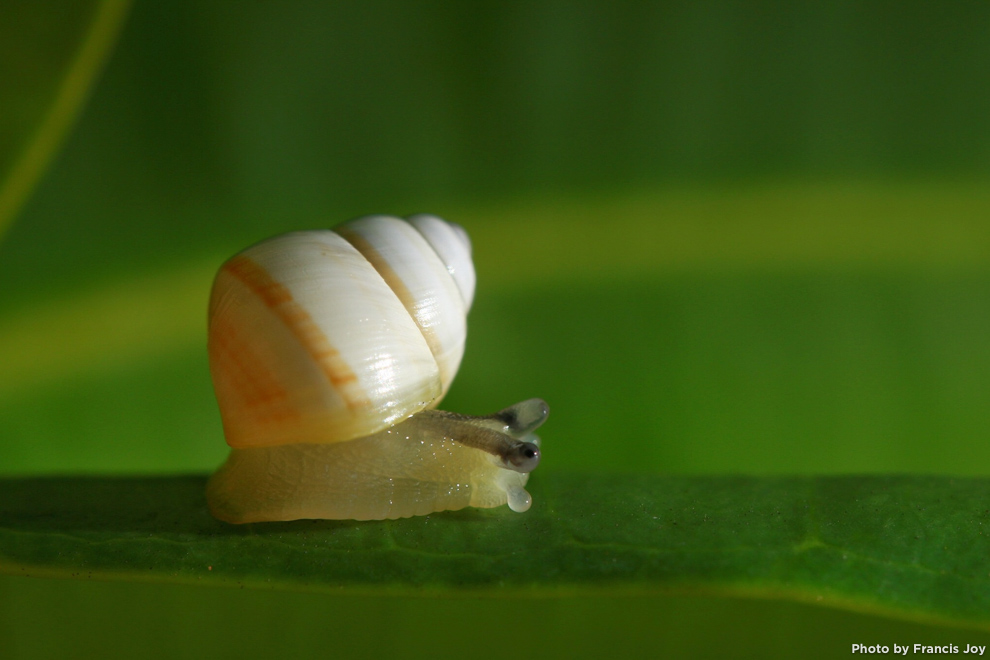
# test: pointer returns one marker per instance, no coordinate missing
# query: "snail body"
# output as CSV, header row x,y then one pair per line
x,y
328,352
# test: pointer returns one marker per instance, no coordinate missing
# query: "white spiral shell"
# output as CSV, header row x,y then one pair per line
x,y
320,343
326,336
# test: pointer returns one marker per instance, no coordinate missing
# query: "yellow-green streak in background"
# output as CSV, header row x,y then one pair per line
x,y
93,52
544,244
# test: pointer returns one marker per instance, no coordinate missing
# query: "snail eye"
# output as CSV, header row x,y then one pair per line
x,y
524,457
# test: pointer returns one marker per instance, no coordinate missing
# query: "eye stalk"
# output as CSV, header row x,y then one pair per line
x,y
507,435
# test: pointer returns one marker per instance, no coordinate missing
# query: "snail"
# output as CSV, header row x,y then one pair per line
x,y
328,351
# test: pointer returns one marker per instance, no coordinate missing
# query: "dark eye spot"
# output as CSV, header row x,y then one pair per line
x,y
524,457
509,418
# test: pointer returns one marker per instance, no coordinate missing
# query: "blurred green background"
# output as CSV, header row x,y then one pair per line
x,y
716,237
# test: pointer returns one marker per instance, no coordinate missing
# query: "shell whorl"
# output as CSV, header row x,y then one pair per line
x,y
331,335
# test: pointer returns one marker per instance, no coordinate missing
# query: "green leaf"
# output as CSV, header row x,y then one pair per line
x,y
53,53
907,546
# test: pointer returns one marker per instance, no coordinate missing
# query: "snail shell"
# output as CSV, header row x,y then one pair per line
x,y
328,351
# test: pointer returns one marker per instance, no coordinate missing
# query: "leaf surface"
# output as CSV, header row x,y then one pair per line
x,y
908,546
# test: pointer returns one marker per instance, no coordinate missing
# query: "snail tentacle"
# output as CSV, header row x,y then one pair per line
x,y
514,454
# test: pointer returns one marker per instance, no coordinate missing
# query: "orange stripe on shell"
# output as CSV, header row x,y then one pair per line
x,y
279,299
